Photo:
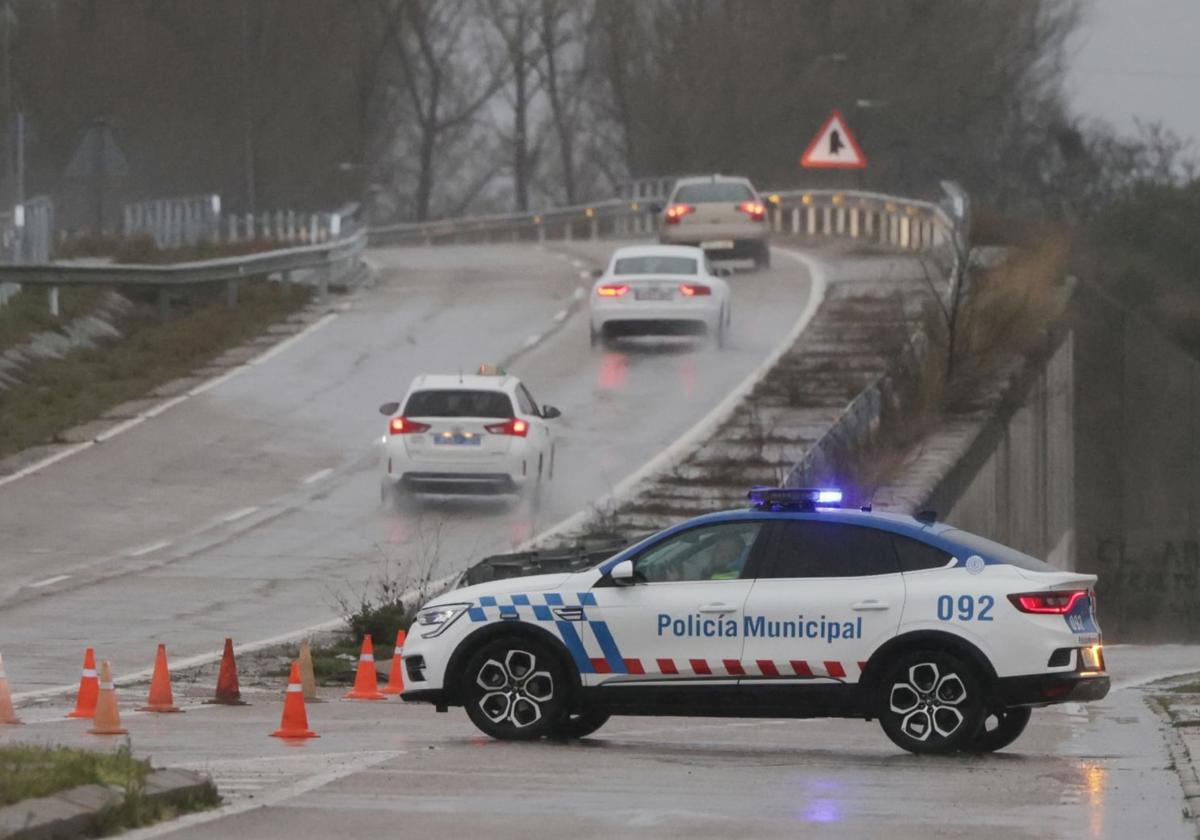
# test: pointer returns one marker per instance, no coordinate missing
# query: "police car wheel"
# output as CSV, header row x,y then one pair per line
x,y
583,724
931,702
515,690
1000,728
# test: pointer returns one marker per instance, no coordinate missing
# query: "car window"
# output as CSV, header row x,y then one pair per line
x,y
916,555
996,552
655,265
710,552
807,549
525,401
720,191
458,403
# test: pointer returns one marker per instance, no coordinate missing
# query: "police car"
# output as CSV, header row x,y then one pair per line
x,y
792,608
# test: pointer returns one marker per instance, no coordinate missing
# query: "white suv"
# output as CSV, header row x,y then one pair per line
x,y
793,608
467,434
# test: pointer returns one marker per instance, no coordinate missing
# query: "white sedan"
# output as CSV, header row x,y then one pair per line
x,y
659,290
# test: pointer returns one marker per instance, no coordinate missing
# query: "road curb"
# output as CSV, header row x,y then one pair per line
x,y
1181,760
75,812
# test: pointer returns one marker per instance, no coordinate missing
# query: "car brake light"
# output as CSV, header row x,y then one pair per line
x,y
754,209
404,426
694,290
515,427
1047,603
677,211
612,290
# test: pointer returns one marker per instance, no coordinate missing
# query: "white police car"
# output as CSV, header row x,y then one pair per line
x,y
788,609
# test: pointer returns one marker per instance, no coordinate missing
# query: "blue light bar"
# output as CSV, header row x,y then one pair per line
x,y
793,498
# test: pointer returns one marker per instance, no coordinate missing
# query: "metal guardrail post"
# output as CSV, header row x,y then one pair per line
x,y
231,293
54,309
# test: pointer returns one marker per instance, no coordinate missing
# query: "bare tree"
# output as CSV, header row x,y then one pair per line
x,y
515,22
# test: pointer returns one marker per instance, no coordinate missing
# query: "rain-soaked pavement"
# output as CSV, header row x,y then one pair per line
x,y
390,769
247,510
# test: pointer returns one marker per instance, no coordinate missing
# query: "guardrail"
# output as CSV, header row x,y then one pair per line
x,y
903,223
174,222
334,259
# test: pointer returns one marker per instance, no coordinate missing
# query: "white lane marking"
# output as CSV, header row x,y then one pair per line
x,y
156,410
585,275
343,765
148,549
38,466
532,340
286,343
318,475
239,514
578,293
120,427
48,581
707,424
560,316
578,263
163,406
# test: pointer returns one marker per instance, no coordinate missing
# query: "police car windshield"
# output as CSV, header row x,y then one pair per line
x,y
459,403
996,552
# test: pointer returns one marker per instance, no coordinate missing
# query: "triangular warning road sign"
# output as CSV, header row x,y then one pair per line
x,y
834,147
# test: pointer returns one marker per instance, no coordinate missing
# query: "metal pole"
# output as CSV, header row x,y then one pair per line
x,y
54,301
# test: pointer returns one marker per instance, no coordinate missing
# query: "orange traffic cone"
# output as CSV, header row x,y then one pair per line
x,y
161,699
229,693
295,718
108,719
366,681
7,715
89,688
396,677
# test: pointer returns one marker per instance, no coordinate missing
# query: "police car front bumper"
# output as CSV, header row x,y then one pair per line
x,y
1044,689
436,696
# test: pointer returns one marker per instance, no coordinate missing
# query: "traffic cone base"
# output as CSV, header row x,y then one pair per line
x,y
107,720
366,681
395,683
89,688
294,724
228,692
161,699
8,716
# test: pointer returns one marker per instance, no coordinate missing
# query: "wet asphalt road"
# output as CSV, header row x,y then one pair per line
x,y
394,770
250,509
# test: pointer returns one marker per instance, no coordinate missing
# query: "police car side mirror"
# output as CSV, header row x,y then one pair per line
x,y
622,573
388,409
550,412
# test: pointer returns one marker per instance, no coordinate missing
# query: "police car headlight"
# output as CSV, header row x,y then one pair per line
x,y
433,621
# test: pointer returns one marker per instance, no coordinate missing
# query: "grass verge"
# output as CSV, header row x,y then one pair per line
x,y
57,394
28,311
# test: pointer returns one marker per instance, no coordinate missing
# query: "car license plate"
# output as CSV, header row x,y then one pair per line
x,y
654,293
457,439
717,245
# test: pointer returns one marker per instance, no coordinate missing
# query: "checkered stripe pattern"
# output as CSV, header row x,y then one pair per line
x,y
735,668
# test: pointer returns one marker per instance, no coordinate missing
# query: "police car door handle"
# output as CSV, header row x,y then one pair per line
x,y
871,605
716,608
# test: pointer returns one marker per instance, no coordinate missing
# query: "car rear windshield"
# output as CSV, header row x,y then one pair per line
x,y
655,265
721,191
458,403
996,552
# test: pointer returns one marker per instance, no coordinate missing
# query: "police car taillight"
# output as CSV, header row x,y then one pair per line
x,y
1048,603
404,426
694,290
515,427
612,290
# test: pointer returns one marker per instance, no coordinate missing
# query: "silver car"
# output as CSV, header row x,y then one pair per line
x,y
719,213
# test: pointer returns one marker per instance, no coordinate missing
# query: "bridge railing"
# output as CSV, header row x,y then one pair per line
x,y
892,221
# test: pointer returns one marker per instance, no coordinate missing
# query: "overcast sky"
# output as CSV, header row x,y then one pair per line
x,y
1139,58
